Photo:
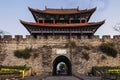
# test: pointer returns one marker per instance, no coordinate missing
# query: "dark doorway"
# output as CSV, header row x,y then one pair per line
x,y
62,66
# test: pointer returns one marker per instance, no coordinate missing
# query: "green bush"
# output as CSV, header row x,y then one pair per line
x,y
109,49
66,45
35,55
100,71
25,54
44,46
85,56
73,44
14,70
103,57
16,67
87,47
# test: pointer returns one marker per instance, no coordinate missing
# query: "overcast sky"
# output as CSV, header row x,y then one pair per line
x,y
13,10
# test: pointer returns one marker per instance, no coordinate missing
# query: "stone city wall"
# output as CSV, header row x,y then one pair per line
x,y
46,47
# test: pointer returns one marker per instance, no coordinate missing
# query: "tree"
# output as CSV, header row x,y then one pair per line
x,y
117,27
2,33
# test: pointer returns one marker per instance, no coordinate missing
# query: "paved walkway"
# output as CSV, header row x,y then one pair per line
x,y
52,78
81,77
62,78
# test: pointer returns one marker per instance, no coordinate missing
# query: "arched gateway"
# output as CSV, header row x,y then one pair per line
x,y
65,70
59,24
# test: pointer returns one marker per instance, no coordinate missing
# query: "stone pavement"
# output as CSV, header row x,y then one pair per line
x,y
80,77
52,78
62,78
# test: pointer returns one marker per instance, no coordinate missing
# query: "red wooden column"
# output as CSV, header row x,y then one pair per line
x,y
80,21
70,21
38,20
85,20
53,21
43,21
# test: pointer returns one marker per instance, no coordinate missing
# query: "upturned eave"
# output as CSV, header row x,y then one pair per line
x,y
63,25
62,11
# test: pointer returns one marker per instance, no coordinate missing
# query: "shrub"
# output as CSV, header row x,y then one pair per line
x,y
18,54
87,47
35,55
25,54
66,45
73,44
103,57
103,70
108,49
85,56
44,46
20,67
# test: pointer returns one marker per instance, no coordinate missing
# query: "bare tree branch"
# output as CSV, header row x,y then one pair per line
x,y
117,27
2,33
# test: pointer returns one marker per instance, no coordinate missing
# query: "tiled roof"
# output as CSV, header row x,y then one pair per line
x,y
62,11
62,25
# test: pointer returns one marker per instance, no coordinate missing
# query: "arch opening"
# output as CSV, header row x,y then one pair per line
x,y
62,66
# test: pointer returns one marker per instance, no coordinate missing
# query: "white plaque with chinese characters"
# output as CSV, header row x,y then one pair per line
x,y
61,51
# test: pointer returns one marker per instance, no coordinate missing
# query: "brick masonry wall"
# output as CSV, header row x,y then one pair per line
x,y
46,46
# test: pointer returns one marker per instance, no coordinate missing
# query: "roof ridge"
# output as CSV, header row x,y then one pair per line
x,y
61,9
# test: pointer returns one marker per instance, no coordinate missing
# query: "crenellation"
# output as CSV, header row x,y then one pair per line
x,y
84,37
73,37
18,37
30,41
7,37
43,37
55,38
106,38
116,37
40,37
29,37
63,37
95,37
0,37
50,37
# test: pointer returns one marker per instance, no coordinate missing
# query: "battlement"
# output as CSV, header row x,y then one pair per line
x,y
19,42
29,37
